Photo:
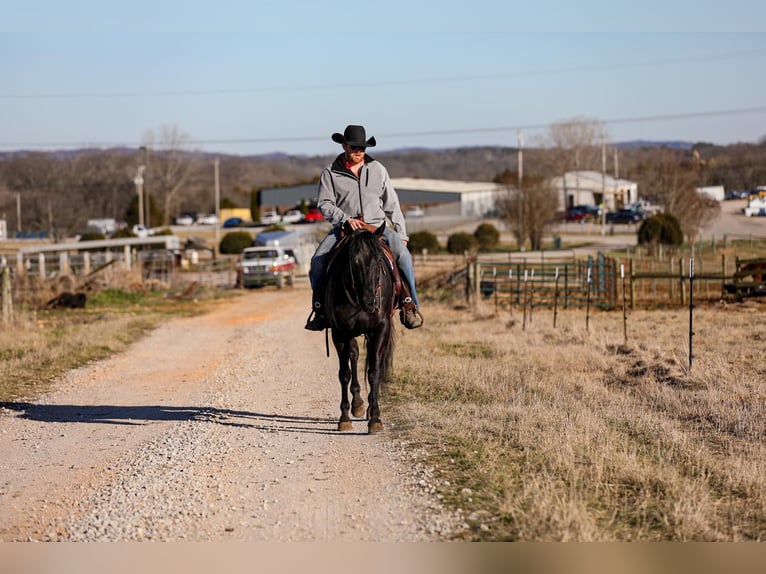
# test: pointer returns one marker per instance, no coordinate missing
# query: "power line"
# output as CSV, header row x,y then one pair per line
x,y
456,131
383,83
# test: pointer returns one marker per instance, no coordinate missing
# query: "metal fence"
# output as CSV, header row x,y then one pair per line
x,y
565,283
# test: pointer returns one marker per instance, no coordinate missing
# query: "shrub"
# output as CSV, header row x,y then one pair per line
x,y
235,242
423,240
662,228
122,233
487,236
92,236
166,231
462,242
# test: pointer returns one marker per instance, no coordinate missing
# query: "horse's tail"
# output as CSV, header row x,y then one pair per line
x,y
385,356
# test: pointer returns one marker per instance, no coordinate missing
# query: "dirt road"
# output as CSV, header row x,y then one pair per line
x,y
218,427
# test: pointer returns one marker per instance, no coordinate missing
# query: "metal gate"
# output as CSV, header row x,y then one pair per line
x,y
541,284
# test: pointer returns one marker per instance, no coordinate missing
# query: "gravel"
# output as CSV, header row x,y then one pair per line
x,y
214,428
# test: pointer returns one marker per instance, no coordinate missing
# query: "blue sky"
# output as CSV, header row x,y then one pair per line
x,y
248,77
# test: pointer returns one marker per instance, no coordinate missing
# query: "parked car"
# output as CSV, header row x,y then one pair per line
x,y
184,219
292,216
209,219
313,215
414,211
270,217
270,265
645,208
574,214
233,222
593,212
140,230
624,216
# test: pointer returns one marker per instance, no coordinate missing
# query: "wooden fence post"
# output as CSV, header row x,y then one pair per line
x,y
20,268
6,295
64,263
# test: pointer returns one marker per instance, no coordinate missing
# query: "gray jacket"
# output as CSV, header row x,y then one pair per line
x,y
342,195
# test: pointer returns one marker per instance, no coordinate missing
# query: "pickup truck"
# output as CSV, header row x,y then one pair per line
x,y
756,203
643,206
270,265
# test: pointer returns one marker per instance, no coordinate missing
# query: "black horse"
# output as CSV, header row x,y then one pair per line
x,y
359,301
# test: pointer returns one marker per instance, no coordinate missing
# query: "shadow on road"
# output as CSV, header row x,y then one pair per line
x,y
145,414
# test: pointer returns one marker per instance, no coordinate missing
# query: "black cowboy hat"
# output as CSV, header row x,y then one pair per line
x,y
354,136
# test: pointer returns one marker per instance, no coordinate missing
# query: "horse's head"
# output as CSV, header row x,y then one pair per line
x,y
359,274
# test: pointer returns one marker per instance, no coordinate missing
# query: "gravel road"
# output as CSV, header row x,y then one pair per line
x,y
213,428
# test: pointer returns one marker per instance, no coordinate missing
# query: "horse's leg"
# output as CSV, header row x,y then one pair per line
x,y
357,403
344,376
374,376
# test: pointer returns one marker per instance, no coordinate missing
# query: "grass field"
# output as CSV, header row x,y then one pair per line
x,y
535,433
564,434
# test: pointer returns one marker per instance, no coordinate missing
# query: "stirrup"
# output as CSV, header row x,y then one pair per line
x,y
316,321
409,314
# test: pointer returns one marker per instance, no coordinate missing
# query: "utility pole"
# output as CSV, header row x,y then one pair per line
x,y
139,181
217,204
519,193
18,212
603,183
147,220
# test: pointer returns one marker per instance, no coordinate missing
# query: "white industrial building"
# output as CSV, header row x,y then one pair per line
x,y
594,188
437,196
445,197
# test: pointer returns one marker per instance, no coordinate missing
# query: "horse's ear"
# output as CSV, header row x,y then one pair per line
x,y
381,228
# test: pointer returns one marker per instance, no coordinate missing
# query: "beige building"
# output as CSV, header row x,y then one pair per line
x,y
594,188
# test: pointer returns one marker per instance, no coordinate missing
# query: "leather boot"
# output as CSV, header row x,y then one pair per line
x,y
316,321
409,314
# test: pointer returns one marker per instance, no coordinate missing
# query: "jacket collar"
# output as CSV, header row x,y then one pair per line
x,y
340,163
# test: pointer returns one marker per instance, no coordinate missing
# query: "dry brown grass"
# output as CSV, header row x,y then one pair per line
x,y
565,434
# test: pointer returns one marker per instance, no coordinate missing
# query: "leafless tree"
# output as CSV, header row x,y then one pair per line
x,y
672,177
573,145
169,167
529,211
38,179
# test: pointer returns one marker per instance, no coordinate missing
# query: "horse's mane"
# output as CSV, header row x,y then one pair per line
x,y
356,266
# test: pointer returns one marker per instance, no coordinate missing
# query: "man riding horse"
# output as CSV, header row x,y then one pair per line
x,y
355,191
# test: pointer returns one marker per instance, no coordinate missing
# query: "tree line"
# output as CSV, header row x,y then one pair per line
x,y
58,192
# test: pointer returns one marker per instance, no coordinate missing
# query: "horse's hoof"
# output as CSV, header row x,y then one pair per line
x,y
345,426
358,412
375,427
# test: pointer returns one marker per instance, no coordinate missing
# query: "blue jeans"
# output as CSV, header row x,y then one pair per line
x,y
398,248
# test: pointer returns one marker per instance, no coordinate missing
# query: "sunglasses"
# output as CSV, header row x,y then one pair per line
x,y
357,148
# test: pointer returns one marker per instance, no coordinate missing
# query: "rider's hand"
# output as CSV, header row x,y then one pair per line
x,y
355,223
